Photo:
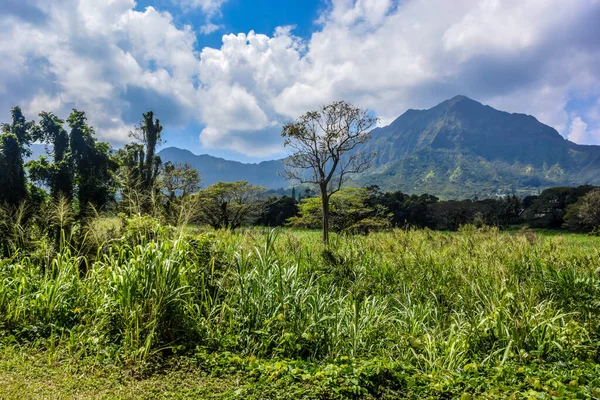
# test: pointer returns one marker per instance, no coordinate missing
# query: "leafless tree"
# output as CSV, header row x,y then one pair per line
x,y
324,149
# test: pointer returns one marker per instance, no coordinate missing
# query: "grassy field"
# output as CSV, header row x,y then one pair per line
x,y
160,313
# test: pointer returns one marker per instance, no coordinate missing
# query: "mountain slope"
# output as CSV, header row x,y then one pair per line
x,y
214,169
459,148
463,148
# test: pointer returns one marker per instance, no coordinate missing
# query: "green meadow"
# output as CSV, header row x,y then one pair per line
x,y
160,312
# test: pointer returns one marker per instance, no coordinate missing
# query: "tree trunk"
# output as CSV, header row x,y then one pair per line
x,y
325,208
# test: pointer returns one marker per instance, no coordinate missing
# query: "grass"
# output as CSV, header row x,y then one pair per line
x,y
264,314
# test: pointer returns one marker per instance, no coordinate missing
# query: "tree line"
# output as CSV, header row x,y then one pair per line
x,y
575,209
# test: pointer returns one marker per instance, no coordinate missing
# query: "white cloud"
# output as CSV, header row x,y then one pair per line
x,y
208,7
209,28
115,62
579,133
211,10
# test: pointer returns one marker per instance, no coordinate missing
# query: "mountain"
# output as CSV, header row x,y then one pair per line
x,y
463,148
459,148
214,169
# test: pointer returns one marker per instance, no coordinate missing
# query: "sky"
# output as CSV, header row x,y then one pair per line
x,y
223,76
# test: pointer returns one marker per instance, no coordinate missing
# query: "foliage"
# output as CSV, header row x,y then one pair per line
x,y
278,210
324,147
400,313
21,128
349,212
59,174
550,207
584,215
93,165
228,205
12,172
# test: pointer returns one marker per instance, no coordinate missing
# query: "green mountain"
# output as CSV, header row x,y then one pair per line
x,y
459,148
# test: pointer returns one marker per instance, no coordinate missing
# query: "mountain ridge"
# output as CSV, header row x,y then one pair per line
x,y
458,148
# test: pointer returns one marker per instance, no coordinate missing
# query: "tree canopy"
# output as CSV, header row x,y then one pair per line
x,y
324,149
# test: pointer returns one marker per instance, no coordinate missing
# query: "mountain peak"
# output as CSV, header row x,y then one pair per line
x,y
459,99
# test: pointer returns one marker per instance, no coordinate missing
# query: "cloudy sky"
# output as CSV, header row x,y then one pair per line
x,y
223,75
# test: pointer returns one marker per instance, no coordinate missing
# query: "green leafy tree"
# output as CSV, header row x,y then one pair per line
x,y
179,180
350,211
228,205
324,149
14,145
93,164
21,128
549,209
58,174
277,211
584,215
12,174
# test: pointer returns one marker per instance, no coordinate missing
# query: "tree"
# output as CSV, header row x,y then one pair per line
x,y
350,211
585,213
179,180
57,175
324,149
549,209
277,211
228,205
148,136
590,209
139,164
93,164
21,128
14,145
13,186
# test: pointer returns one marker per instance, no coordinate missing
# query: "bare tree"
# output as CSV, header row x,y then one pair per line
x,y
324,144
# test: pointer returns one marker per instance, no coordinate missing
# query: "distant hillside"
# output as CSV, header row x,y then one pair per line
x,y
214,169
459,148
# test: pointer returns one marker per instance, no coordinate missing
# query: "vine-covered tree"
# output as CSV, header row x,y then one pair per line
x,y
140,166
14,145
144,158
324,149
57,174
93,164
13,185
21,128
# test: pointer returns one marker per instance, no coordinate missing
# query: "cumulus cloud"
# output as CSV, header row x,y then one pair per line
x,y
211,10
209,28
208,7
115,62
579,132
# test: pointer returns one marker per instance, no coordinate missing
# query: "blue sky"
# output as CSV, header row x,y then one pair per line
x,y
224,75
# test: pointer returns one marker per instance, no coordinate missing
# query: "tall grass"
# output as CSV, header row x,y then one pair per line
x,y
436,300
